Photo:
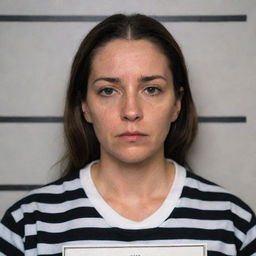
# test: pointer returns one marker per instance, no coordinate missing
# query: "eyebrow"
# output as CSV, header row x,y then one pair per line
x,y
114,80
142,79
150,78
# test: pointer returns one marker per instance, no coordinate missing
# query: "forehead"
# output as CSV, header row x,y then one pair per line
x,y
129,55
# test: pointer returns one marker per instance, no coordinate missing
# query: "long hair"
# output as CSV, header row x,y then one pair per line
x,y
82,144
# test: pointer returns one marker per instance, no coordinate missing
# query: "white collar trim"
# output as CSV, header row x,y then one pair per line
x,y
114,219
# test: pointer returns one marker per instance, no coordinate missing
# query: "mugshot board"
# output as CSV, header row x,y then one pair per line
x,y
38,41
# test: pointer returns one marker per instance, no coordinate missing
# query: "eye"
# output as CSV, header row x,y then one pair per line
x,y
152,90
106,91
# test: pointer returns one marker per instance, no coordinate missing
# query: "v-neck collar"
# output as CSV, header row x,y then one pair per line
x,y
114,219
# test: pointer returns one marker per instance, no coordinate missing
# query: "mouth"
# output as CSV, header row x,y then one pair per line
x,y
132,136
135,133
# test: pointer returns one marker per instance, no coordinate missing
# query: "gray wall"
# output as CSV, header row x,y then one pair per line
x,y
35,59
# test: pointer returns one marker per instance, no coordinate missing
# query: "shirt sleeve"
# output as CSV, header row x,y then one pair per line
x,y
249,244
11,236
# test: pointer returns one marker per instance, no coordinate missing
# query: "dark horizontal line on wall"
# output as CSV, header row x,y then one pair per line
x,y
222,119
55,119
97,18
202,18
31,119
18,187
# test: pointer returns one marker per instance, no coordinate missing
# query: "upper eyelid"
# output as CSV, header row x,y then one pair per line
x,y
159,87
155,87
116,88
101,91
106,87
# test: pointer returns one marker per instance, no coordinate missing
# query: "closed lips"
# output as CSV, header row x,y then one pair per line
x,y
132,134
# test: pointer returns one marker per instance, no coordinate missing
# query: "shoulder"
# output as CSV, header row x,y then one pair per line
x,y
220,214
53,203
209,196
203,194
210,191
47,198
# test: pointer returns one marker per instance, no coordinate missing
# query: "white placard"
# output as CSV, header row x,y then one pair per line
x,y
136,250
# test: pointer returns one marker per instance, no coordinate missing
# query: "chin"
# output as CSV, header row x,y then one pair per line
x,y
135,157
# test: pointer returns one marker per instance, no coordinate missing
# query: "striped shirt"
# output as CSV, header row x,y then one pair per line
x,y
70,211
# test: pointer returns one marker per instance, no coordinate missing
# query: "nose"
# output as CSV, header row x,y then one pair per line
x,y
131,109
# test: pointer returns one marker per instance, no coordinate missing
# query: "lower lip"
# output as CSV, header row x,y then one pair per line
x,y
132,137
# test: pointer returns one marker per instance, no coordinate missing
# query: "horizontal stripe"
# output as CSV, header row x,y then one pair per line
x,y
195,193
58,188
35,251
98,18
81,212
53,199
51,208
192,213
130,235
45,208
208,197
46,249
213,205
208,215
203,186
65,226
203,224
55,119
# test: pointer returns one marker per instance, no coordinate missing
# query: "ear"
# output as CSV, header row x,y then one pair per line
x,y
177,105
86,112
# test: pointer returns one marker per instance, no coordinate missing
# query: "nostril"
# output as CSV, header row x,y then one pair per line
x,y
132,118
132,115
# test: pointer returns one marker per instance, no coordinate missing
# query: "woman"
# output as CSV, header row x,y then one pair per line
x,y
129,121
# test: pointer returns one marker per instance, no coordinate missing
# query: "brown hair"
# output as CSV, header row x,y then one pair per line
x,y
81,141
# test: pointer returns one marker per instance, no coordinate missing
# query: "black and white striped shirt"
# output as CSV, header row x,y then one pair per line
x,y
70,211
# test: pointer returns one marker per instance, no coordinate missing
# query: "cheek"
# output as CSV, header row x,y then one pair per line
x,y
163,113
102,120
164,123
160,121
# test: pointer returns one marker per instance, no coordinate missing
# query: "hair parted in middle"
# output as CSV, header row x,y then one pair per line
x,y
81,141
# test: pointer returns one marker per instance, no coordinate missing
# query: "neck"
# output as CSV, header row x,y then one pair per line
x,y
153,176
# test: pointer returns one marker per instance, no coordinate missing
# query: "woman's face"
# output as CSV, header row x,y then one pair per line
x,y
130,100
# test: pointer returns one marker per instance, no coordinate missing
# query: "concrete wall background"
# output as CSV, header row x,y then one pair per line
x,y
35,59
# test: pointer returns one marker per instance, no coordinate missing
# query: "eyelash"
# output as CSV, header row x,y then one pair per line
x,y
104,92
155,88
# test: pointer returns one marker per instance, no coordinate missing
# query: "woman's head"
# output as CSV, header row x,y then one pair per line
x,y
82,143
